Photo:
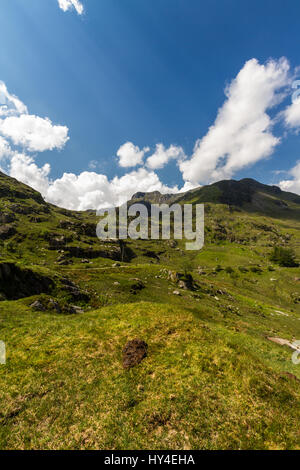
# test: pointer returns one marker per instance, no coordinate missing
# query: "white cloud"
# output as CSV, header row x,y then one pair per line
x,y
33,133
131,155
24,169
292,115
292,185
242,132
66,5
5,150
241,135
188,186
88,190
162,156
10,104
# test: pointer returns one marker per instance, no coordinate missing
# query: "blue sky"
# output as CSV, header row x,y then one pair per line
x,y
124,76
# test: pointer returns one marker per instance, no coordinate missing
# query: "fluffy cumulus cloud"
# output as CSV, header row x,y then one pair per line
x,y
10,105
34,133
292,184
131,155
88,190
66,5
242,133
162,156
23,168
292,115
18,128
5,150
22,133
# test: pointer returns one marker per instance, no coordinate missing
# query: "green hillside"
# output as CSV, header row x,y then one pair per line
x,y
212,378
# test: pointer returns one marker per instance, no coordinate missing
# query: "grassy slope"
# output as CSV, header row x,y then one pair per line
x,y
211,378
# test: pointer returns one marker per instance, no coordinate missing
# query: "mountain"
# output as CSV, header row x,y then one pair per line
x,y
246,193
215,326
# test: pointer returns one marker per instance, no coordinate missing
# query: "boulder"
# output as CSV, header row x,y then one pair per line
x,y
53,305
38,306
7,218
7,231
57,243
174,276
75,292
137,286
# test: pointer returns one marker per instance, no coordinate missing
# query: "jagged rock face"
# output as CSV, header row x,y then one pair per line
x,y
153,197
16,283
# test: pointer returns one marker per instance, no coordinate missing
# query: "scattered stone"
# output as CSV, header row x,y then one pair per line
x,y
182,285
282,313
134,352
201,271
38,306
75,291
116,283
7,218
295,297
176,292
53,305
85,261
7,231
137,286
56,243
284,342
173,244
64,262
174,276
75,309
116,265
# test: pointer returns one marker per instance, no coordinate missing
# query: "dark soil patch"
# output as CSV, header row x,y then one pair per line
x,y
134,352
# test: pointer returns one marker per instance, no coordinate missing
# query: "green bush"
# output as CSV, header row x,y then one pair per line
x,y
284,257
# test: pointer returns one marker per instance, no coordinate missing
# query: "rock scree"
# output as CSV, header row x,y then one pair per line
x,y
134,352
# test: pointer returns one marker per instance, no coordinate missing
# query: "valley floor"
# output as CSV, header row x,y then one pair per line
x,y
211,380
